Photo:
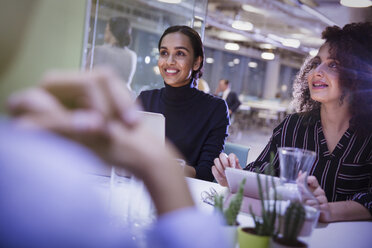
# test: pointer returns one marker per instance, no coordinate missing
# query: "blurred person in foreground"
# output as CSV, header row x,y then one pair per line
x,y
46,197
333,95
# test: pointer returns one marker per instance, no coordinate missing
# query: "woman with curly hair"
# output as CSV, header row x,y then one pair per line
x,y
333,99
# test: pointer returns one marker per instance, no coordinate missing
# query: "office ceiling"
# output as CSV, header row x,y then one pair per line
x,y
276,20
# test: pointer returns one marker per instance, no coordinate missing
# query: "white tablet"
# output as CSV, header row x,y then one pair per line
x,y
235,176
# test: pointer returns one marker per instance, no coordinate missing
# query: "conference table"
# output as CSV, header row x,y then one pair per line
x,y
356,234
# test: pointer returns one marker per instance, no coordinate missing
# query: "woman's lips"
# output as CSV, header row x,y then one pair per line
x,y
319,85
171,71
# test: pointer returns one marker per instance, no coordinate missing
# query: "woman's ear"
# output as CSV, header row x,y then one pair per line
x,y
197,63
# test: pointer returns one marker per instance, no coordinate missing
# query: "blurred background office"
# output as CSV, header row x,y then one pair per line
x,y
257,44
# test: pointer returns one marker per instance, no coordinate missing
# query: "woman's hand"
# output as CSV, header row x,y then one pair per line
x,y
221,163
318,192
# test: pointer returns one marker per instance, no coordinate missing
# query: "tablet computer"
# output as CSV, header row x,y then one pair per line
x,y
235,176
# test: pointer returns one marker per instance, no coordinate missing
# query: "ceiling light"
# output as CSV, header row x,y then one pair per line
x,y
252,64
225,35
267,55
147,59
313,52
236,61
209,60
291,43
356,3
156,70
242,25
250,8
197,24
266,46
232,46
231,64
170,1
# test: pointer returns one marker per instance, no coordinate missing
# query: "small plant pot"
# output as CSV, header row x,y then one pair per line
x,y
279,242
231,233
247,238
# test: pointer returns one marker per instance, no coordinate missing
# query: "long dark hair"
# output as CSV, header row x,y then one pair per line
x,y
352,47
196,44
120,27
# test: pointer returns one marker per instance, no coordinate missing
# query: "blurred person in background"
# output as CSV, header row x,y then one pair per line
x,y
224,91
115,53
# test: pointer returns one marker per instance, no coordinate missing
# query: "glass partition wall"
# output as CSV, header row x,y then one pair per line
x,y
136,62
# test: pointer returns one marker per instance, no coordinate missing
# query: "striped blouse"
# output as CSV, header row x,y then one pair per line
x,y
344,174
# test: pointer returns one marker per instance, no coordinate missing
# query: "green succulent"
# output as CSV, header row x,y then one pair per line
x,y
294,219
265,226
230,214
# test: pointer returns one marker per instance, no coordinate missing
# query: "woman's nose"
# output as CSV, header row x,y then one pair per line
x,y
319,70
170,59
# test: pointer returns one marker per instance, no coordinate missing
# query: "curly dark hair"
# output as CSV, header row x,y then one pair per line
x,y
196,44
352,47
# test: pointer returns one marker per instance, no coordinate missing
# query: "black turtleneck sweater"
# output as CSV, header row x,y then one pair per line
x,y
195,122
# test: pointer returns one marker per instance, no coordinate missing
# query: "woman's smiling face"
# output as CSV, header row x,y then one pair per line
x,y
323,78
176,61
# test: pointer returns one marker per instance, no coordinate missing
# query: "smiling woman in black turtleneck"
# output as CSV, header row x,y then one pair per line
x,y
195,122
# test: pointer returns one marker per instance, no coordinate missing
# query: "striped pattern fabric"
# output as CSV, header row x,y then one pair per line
x,y
344,174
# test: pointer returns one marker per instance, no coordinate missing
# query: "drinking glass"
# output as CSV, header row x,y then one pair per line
x,y
295,165
131,205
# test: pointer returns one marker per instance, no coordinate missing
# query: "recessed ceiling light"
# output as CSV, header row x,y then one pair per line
x,y
170,1
266,46
231,64
313,52
252,64
209,60
250,8
225,35
236,61
356,3
232,46
197,24
242,25
147,59
291,43
156,70
267,55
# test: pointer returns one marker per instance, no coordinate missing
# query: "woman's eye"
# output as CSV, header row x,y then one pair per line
x,y
333,65
163,53
180,53
314,64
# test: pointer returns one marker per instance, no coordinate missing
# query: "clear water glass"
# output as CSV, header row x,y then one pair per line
x,y
295,165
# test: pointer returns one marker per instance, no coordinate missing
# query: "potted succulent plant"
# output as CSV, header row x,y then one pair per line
x,y
290,227
231,212
259,236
